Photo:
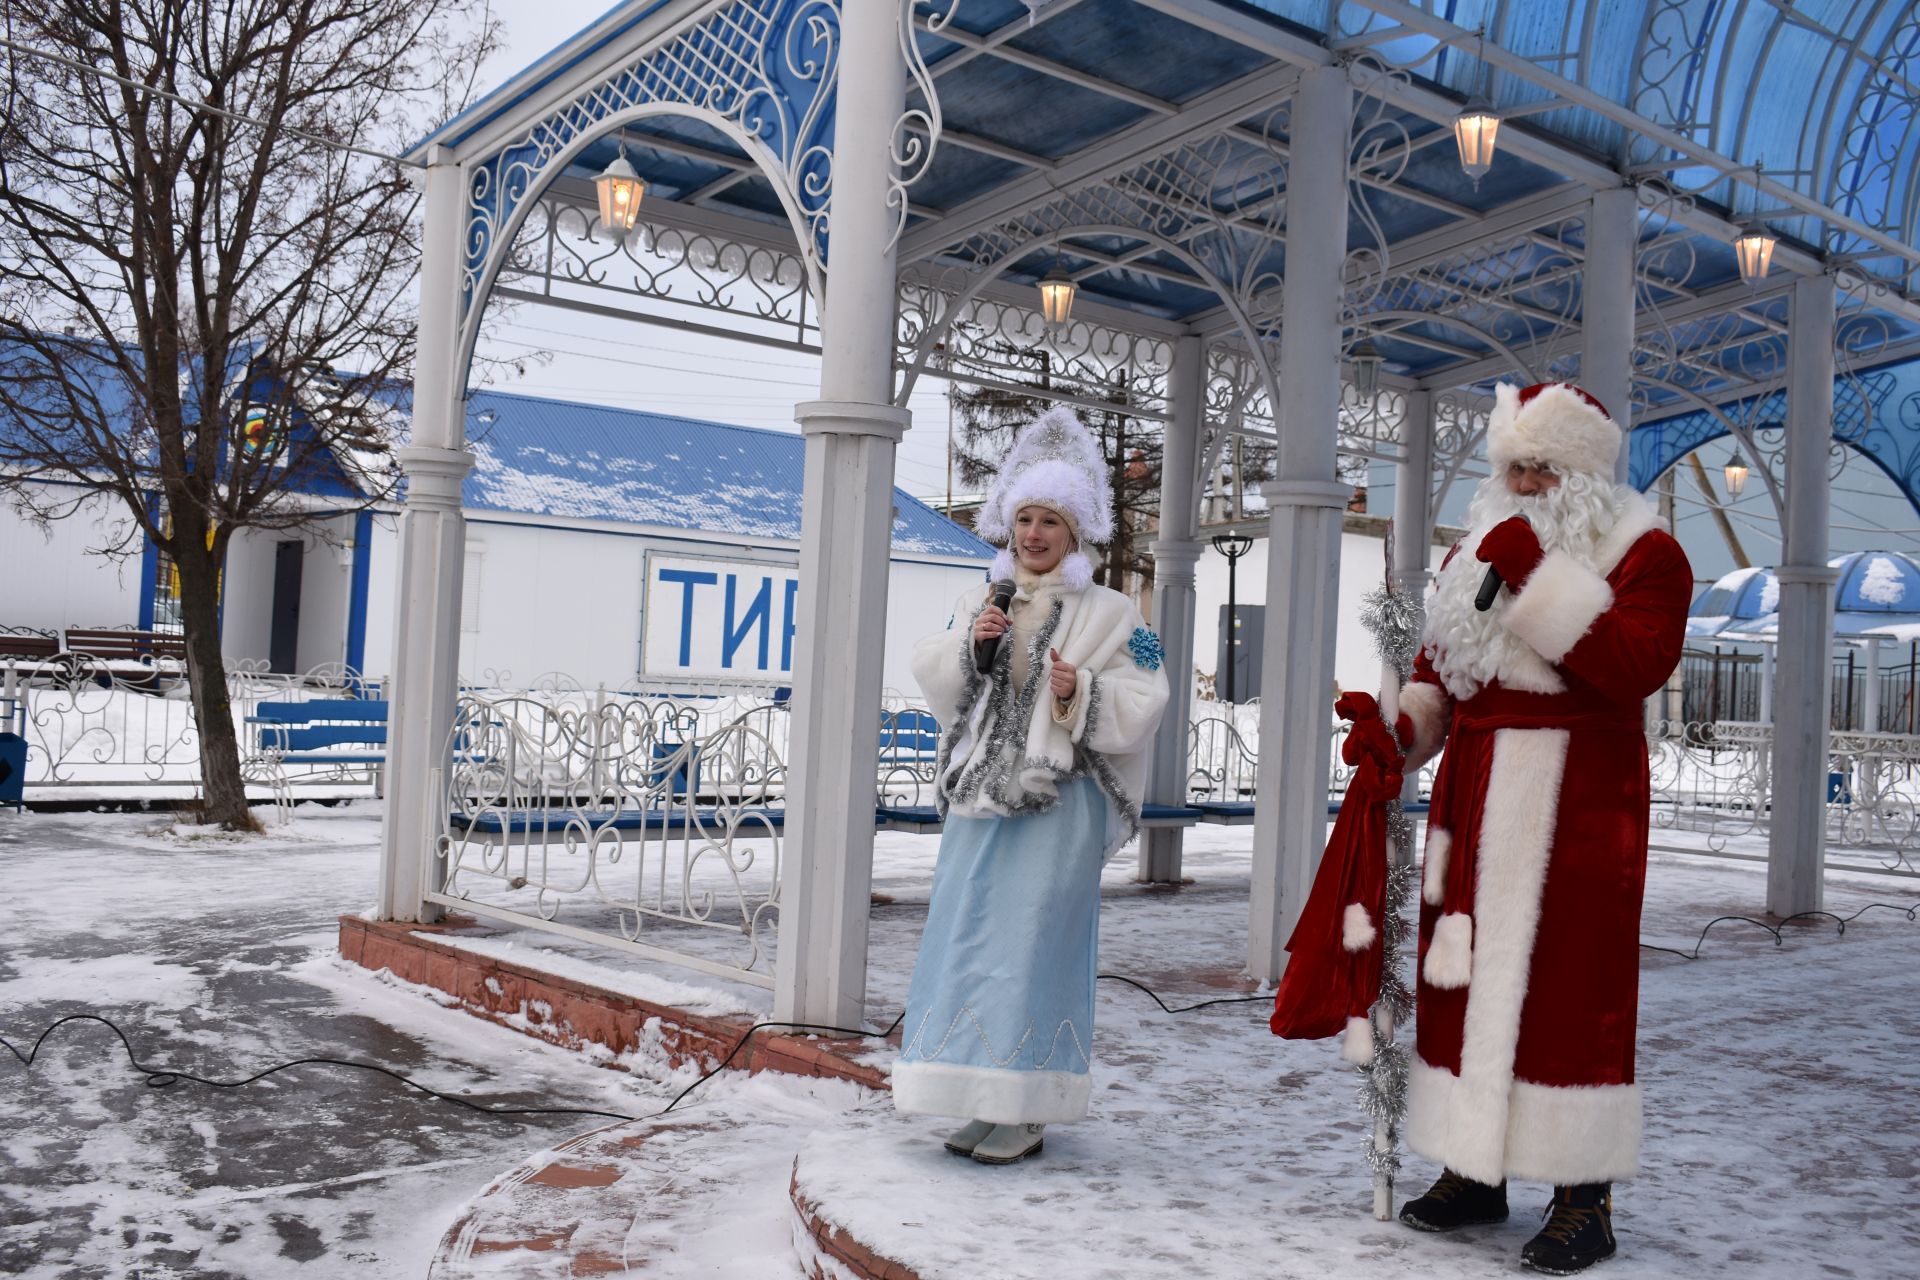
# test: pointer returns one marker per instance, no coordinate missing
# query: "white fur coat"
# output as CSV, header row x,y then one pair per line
x,y
1006,750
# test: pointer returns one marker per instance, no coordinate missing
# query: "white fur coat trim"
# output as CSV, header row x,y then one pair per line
x,y
1557,605
1356,928
1426,705
1356,1046
1516,837
1108,733
1449,964
1561,1134
1433,873
990,1093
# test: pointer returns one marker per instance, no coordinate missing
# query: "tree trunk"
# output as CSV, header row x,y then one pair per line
x,y
224,795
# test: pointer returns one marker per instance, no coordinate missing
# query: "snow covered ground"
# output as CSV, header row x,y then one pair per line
x,y
1783,1092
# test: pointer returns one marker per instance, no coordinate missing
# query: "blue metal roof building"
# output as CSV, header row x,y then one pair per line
x,y
546,457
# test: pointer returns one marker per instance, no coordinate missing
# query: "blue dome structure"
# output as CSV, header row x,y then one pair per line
x,y
1742,596
1877,582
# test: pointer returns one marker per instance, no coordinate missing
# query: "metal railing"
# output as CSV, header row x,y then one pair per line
x,y
119,723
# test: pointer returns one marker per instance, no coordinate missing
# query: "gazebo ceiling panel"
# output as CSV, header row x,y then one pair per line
x,y
753,197
958,174
1138,48
685,129
1028,110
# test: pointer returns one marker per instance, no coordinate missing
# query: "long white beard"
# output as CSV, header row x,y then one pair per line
x,y
1471,649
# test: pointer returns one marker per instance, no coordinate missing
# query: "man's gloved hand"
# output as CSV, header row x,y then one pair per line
x,y
1369,737
1512,547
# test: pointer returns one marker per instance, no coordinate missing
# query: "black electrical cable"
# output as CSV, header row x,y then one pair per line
x,y
1189,1008
158,1078
1841,923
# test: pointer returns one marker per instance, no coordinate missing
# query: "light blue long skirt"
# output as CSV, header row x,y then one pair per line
x,y
999,1022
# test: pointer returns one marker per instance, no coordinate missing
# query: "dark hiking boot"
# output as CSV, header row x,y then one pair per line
x,y
1579,1231
1453,1202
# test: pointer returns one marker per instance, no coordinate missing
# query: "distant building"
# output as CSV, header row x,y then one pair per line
x,y
603,544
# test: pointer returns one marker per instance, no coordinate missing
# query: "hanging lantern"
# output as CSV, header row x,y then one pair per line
x,y
1475,130
620,192
1366,362
1736,472
1057,291
1754,248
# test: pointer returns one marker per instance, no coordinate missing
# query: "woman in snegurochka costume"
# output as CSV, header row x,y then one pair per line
x,y
1041,765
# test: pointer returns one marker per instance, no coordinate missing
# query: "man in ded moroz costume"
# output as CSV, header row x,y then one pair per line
x,y
1537,838
1047,702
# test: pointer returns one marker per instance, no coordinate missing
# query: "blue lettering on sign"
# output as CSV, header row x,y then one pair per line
x,y
688,580
732,636
786,634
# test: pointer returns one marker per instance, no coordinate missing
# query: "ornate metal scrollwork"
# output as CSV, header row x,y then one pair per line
x,y
763,71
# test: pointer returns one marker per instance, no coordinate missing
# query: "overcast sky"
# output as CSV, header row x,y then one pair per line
x,y
649,367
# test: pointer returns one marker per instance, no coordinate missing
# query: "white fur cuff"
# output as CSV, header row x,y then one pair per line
x,y
1557,605
1426,706
1450,954
1433,875
1357,1045
1356,928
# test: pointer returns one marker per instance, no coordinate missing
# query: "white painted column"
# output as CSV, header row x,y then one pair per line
x,y
1413,497
852,432
426,641
1796,843
1303,552
1175,552
1606,308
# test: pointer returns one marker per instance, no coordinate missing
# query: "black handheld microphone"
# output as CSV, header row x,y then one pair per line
x,y
984,654
1490,585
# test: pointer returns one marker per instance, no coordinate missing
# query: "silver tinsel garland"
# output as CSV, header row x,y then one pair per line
x,y
1395,620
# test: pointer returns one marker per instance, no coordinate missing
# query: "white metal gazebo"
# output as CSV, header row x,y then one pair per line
x,y
1242,194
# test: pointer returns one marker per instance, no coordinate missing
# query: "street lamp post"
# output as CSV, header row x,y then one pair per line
x,y
1232,546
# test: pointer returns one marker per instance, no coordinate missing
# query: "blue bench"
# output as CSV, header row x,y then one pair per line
x,y
310,736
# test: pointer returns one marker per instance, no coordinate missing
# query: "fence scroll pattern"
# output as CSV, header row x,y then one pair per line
x,y
619,818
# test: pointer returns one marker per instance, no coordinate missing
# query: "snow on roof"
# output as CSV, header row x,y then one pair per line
x,y
553,457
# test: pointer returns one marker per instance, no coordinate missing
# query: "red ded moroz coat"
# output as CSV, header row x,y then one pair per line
x,y
1535,861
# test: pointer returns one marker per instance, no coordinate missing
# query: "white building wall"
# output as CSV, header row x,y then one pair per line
x,y
542,600
920,600
539,600
1362,568
246,625
246,595
383,581
54,578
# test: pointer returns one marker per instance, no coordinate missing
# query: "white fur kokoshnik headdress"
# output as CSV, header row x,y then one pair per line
x,y
1054,463
1555,423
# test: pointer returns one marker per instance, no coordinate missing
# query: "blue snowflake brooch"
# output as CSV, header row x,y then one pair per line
x,y
1145,648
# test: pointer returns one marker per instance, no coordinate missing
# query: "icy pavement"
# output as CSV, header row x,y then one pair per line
x,y
219,957
1783,1091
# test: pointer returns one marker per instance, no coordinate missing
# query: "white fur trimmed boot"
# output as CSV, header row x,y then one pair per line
x,y
1009,1144
963,1140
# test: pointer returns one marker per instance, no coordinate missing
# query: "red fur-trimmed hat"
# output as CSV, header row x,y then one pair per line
x,y
1555,423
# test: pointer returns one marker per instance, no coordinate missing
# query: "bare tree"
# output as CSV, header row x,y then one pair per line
x,y
207,271
1131,447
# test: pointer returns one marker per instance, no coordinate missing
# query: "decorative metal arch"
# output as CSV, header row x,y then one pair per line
x,y
1875,413
762,72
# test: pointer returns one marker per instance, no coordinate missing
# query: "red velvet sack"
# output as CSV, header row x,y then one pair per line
x,y
1325,983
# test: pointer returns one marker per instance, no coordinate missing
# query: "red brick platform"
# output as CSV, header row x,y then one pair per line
x,y
574,1014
